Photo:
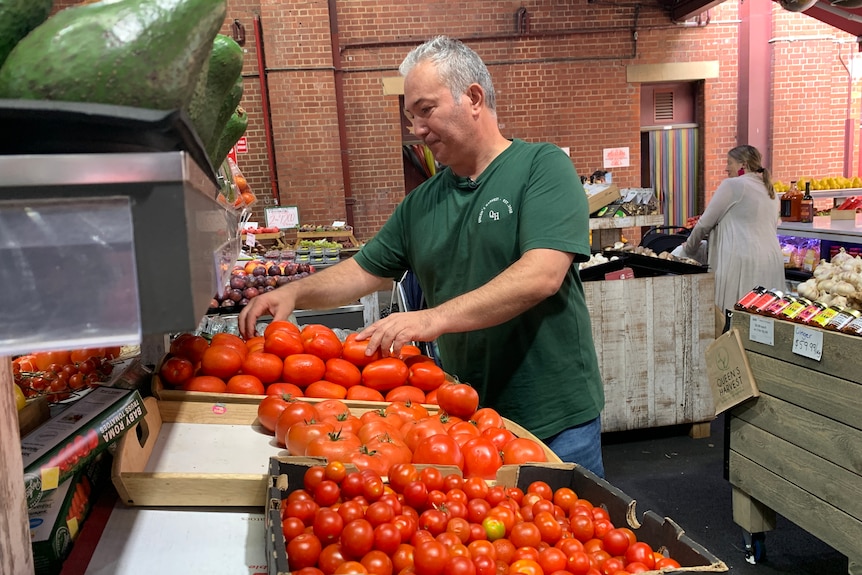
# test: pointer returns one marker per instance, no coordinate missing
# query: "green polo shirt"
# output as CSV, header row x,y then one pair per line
x,y
538,369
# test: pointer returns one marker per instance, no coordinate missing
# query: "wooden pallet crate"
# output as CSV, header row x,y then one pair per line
x,y
797,449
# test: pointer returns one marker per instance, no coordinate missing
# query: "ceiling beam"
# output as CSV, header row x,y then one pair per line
x,y
682,11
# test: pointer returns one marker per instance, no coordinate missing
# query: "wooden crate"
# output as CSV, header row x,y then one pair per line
x,y
651,336
330,235
195,453
602,197
797,449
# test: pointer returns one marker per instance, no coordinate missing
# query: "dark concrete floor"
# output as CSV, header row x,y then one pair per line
x,y
676,476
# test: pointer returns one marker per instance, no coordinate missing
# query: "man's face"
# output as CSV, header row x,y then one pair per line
x,y
440,121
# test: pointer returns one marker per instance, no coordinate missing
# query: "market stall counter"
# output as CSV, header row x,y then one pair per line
x,y
651,332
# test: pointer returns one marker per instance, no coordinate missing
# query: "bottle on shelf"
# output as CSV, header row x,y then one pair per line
x,y
790,204
806,206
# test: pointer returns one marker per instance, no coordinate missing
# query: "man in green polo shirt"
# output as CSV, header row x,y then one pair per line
x,y
492,240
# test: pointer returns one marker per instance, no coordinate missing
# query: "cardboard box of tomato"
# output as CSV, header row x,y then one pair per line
x,y
56,520
661,533
61,446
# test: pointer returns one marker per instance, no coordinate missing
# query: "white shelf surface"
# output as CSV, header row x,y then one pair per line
x,y
825,228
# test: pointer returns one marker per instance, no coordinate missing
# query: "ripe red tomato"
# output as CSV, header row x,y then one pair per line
x,y
357,538
487,417
459,399
405,393
176,370
269,410
426,376
303,551
408,410
206,383
284,389
189,346
327,526
385,374
640,552
440,449
295,411
522,450
401,474
331,558
354,351
616,542
377,563
430,557
481,458
335,446
581,527
245,384
387,537
300,434
302,509
402,558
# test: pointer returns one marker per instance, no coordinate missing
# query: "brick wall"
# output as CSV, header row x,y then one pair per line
x,y
564,83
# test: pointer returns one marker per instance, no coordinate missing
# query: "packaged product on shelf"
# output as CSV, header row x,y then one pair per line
x,y
57,519
61,446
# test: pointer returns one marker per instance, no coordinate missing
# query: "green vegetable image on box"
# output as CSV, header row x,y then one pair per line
x,y
17,18
142,53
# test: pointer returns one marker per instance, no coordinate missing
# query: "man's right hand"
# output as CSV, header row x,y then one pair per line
x,y
278,303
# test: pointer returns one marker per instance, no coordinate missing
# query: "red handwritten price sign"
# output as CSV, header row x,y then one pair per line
x,y
282,217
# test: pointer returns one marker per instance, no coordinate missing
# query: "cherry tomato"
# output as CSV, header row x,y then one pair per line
x,y
357,538
430,557
303,551
327,526
494,528
616,542
387,537
640,552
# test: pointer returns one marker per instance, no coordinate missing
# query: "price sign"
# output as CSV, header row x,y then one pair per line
x,y
250,240
282,217
808,342
762,330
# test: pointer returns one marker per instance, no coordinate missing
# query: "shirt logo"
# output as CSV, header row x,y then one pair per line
x,y
495,209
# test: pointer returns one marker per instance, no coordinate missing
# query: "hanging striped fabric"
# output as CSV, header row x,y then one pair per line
x,y
673,166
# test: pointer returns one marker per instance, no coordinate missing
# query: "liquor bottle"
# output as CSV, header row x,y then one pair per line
x,y
806,206
790,203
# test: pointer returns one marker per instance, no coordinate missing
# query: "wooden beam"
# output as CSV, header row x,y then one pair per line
x,y
16,555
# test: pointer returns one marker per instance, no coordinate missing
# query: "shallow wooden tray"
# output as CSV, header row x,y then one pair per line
x,y
193,453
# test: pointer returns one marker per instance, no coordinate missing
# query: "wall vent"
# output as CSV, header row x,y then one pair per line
x,y
663,106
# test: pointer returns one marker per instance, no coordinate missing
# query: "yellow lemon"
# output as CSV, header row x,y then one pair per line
x,y
20,400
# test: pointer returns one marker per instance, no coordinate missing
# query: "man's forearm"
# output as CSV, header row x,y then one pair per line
x,y
339,285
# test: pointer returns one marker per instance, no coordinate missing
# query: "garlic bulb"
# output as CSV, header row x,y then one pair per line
x,y
839,300
825,299
823,270
843,288
841,257
808,289
826,285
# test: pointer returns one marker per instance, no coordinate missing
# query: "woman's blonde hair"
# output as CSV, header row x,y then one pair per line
x,y
752,161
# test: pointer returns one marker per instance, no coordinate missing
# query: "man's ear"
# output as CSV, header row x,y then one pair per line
x,y
476,95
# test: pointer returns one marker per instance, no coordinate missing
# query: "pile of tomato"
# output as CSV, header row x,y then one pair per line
x,y
425,523
311,362
476,441
58,374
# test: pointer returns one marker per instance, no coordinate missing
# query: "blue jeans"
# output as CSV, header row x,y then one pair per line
x,y
581,444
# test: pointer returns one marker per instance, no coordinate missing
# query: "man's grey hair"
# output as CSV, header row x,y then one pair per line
x,y
458,66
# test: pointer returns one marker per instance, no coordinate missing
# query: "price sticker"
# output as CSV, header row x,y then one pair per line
x,y
808,342
762,330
